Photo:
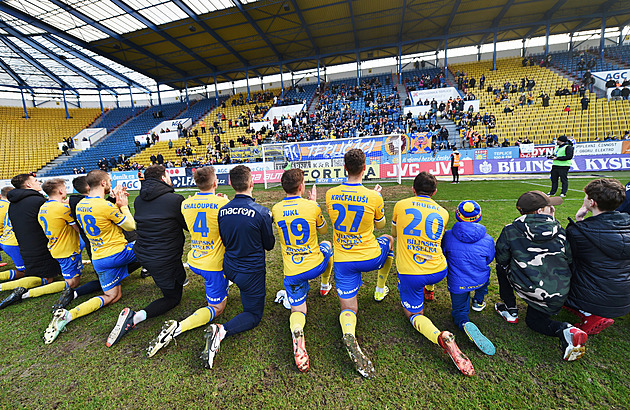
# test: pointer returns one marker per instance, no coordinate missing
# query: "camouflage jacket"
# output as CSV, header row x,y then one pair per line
x,y
536,255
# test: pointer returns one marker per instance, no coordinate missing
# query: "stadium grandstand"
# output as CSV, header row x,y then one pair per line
x,y
106,84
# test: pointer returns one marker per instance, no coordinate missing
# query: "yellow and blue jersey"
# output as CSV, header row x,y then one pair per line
x,y
56,221
8,236
298,220
201,212
420,224
353,210
4,209
101,220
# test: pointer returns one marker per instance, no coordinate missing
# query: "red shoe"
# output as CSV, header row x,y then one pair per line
x,y
574,311
3,264
429,294
594,324
447,342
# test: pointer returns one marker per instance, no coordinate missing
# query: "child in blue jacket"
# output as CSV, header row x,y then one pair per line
x,y
469,250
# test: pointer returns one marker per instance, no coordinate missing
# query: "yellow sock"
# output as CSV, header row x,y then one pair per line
x,y
383,273
54,287
297,321
87,307
327,272
348,320
201,317
424,325
27,282
7,275
430,288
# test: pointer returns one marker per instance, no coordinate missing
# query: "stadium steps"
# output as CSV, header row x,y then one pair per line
x,y
57,161
313,105
402,92
62,159
453,135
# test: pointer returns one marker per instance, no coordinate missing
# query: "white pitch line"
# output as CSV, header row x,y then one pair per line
x,y
531,183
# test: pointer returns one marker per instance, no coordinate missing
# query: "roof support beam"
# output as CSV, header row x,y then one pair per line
x,y
402,22
489,31
497,20
253,23
354,27
117,36
16,77
17,50
103,67
308,31
602,9
452,16
49,53
548,15
51,29
166,36
184,7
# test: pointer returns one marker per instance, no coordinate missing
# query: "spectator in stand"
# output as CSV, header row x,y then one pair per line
x,y
584,101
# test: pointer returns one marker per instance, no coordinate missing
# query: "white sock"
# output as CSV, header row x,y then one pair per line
x,y
25,295
140,316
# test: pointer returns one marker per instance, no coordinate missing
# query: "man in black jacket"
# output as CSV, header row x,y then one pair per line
x,y
600,286
159,247
246,231
41,267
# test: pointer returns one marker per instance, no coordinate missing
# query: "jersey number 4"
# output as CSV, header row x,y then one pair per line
x,y
201,225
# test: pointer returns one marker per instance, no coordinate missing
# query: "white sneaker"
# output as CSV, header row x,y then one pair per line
x,y
379,296
57,325
214,334
164,338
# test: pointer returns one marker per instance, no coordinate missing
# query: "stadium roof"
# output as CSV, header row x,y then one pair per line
x,y
74,44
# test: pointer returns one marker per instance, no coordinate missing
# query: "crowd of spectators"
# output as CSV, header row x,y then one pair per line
x,y
426,82
120,163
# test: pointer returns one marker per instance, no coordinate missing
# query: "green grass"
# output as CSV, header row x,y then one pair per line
x,y
256,368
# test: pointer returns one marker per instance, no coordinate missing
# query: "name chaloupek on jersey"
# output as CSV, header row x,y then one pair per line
x,y
56,221
201,212
101,220
8,236
420,224
353,210
298,220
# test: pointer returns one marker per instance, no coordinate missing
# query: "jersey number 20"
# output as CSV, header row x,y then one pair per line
x,y
428,224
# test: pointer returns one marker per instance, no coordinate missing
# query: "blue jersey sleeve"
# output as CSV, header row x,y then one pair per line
x,y
268,239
